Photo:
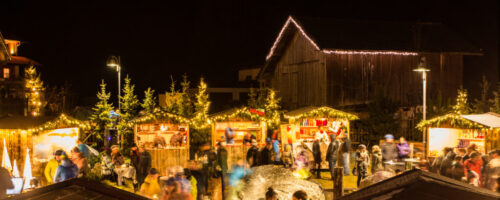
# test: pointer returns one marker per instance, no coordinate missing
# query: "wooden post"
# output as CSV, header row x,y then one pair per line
x,y
338,179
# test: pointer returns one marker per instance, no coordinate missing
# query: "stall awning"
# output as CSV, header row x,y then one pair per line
x,y
491,120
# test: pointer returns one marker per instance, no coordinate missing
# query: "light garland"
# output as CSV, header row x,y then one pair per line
x,y
242,113
453,119
325,112
61,120
33,87
159,115
368,52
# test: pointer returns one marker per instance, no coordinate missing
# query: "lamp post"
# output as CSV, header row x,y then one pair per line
x,y
421,68
114,61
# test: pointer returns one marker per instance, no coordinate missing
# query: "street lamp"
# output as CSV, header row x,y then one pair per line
x,y
421,68
114,61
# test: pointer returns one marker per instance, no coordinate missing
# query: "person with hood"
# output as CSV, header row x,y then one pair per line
x,y
267,154
377,164
362,162
404,149
83,148
151,187
79,159
331,153
52,165
389,151
253,154
67,170
317,157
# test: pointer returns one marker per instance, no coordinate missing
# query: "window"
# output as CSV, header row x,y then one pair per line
x,y
6,72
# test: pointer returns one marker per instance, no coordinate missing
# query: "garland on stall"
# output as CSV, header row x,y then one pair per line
x,y
325,112
61,120
241,113
159,115
452,119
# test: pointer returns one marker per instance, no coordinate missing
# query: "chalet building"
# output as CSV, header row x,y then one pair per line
x,y
12,97
316,61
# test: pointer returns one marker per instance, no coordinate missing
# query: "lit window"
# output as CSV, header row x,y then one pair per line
x,y
6,72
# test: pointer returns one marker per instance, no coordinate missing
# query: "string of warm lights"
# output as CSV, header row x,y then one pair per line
x,y
367,52
61,120
34,87
159,115
325,112
241,113
453,119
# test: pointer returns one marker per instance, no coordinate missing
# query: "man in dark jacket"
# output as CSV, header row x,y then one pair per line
x,y
346,152
222,163
389,150
317,157
143,165
253,154
331,153
267,154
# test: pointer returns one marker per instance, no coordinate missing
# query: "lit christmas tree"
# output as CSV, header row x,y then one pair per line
x,y
149,102
129,104
33,91
102,111
186,106
462,107
272,109
202,105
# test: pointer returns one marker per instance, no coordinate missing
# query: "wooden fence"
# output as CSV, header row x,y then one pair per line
x,y
161,159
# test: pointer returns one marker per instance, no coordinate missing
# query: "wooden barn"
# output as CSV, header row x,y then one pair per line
x,y
317,61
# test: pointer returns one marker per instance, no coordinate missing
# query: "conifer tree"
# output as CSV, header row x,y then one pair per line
x,y
186,105
129,104
252,98
495,102
462,107
171,98
482,105
202,105
102,111
149,101
272,109
33,91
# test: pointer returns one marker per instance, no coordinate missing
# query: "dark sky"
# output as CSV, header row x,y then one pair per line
x,y
213,38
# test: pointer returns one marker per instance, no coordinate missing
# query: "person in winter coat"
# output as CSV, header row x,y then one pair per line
x,y
253,154
67,170
151,187
472,169
143,165
317,157
222,163
377,164
404,149
80,161
83,148
346,152
362,162
389,151
492,170
276,148
331,153
447,162
107,166
457,168
193,182
5,182
52,165
287,156
267,154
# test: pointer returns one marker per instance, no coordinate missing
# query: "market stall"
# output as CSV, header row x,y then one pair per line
x,y
165,136
461,131
310,123
237,127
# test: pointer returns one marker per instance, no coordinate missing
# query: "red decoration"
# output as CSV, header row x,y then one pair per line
x,y
257,111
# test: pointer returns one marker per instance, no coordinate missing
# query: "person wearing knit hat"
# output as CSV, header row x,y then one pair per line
x,y
362,163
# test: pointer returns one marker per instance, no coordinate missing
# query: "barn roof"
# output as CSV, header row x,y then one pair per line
x,y
79,188
418,184
337,36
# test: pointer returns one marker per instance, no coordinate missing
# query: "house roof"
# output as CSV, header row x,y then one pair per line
x,y
22,61
79,188
490,119
418,184
334,35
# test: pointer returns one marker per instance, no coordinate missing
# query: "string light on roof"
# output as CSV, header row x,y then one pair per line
x,y
399,53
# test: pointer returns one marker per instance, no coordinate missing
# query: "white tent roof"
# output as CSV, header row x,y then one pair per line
x,y
490,119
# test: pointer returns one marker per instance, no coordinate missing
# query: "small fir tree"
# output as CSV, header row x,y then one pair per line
x,y
202,105
172,98
272,109
33,91
129,104
252,98
149,101
101,112
495,102
186,105
482,105
462,107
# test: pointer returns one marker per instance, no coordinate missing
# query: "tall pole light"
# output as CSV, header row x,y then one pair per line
x,y
422,68
114,61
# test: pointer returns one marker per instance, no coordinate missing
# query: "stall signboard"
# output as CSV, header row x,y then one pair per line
x,y
47,142
161,135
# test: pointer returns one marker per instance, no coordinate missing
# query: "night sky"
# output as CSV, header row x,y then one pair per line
x,y
213,38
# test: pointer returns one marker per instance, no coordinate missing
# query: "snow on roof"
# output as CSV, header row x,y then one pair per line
x,y
490,119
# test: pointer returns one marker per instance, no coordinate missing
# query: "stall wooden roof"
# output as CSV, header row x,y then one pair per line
x,y
159,115
40,123
323,111
79,188
418,184
473,121
242,113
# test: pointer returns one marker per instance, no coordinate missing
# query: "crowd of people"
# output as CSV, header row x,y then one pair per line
x,y
469,165
63,166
